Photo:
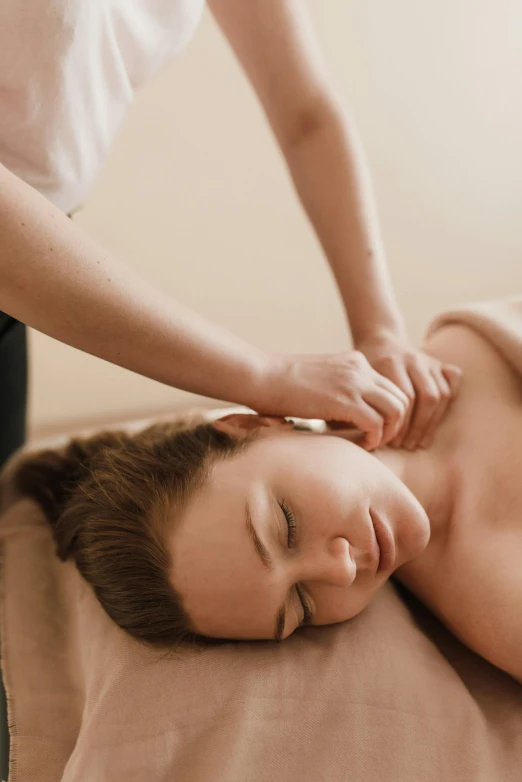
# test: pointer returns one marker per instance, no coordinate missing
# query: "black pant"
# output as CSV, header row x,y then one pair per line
x,y
13,402
13,385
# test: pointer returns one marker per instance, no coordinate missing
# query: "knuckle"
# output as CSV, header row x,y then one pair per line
x,y
395,419
359,359
429,396
377,418
397,407
344,379
453,368
352,398
408,391
392,418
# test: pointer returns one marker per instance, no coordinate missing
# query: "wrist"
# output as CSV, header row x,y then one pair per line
x,y
390,331
263,388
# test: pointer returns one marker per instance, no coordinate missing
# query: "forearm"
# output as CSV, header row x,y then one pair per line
x,y
330,175
57,280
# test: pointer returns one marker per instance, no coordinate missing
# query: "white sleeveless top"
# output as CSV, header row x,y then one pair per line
x,y
68,70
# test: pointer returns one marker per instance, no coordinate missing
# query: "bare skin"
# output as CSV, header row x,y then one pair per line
x,y
470,573
275,44
55,279
453,511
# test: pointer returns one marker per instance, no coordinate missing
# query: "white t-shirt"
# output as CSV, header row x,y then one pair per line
x,y
68,70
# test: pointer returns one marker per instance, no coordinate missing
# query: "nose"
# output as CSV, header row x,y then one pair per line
x,y
332,563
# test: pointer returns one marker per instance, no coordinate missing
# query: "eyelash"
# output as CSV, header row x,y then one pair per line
x,y
290,520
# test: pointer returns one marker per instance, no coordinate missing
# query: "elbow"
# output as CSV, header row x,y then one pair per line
x,y
309,121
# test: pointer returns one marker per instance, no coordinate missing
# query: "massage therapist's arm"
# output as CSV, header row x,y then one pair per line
x,y
274,42
55,279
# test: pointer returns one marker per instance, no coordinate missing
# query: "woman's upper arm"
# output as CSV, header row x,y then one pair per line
x,y
275,44
483,596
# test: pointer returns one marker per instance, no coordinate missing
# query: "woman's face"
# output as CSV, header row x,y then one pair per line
x,y
282,534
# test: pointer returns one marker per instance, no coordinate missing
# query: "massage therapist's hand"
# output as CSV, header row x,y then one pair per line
x,y
428,384
339,387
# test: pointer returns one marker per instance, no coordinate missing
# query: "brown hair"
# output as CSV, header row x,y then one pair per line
x,y
110,500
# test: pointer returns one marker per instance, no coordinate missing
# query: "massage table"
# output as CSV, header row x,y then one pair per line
x,y
390,696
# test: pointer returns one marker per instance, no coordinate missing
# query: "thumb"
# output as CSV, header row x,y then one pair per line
x,y
453,375
368,420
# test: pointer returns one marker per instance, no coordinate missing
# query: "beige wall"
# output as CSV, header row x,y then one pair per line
x,y
196,198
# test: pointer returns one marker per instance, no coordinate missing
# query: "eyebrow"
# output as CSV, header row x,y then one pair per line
x,y
266,559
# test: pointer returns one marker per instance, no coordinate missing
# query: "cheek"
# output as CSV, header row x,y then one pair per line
x,y
329,489
331,507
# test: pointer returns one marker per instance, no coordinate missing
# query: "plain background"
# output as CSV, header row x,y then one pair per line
x,y
195,195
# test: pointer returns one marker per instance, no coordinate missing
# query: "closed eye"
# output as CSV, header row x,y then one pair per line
x,y
291,524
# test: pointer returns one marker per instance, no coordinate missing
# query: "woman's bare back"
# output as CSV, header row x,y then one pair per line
x,y
471,573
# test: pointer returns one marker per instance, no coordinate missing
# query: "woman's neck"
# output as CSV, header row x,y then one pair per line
x,y
429,475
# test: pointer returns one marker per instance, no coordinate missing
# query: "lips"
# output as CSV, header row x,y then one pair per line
x,y
385,542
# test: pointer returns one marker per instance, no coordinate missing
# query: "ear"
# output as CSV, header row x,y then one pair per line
x,y
242,424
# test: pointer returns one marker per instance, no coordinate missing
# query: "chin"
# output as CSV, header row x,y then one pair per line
x,y
414,535
421,533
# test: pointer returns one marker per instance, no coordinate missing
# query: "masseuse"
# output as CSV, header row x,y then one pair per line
x,y
67,73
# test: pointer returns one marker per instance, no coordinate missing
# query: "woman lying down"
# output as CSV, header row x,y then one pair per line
x,y
247,528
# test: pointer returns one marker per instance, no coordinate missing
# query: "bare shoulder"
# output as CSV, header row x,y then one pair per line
x,y
484,370
482,594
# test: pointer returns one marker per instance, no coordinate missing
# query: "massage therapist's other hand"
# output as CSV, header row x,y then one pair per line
x,y
428,384
340,387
